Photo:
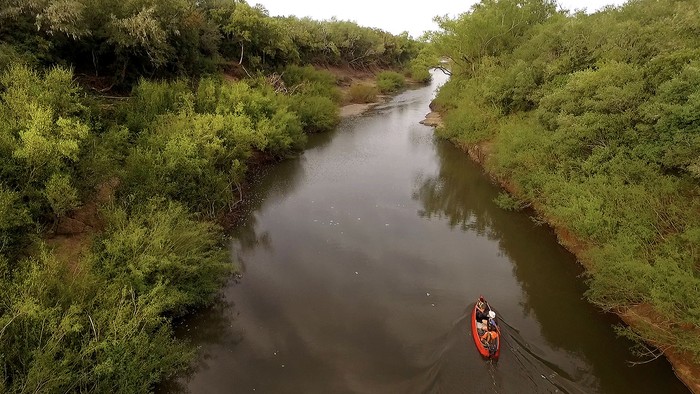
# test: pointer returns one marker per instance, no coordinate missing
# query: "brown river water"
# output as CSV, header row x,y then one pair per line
x,y
361,259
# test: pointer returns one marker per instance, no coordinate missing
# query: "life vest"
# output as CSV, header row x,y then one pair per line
x,y
490,335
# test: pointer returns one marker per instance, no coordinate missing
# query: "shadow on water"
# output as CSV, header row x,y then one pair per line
x,y
213,327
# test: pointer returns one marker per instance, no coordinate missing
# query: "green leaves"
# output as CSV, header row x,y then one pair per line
x,y
65,332
490,28
47,142
140,32
159,243
63,17
596,120
62,196
390,81
41,113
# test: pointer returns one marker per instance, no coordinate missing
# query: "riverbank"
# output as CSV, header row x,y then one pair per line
x,y
639,317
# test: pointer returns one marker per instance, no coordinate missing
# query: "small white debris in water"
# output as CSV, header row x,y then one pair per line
x,y
332,207
432,304
282,365
428,294
275,353
386,224
543,377
315,220
357,273
341,232
358,218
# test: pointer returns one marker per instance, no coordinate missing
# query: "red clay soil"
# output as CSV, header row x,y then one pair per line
x,y
687,370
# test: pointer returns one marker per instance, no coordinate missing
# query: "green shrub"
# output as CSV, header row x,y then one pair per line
x,y
469,123
311,81
193,158
282,132
317,113
419,67
77,332
159,243
62,196
509,202
151,98
390,81
361,93
420,74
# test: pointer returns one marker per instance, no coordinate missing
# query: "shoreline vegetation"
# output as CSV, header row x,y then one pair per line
x,y
128,133
593,120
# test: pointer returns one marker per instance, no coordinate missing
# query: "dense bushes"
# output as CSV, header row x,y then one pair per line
x,y
317,113
131,183
419,68
311,81
362,93
102,325
158,244
601,132
113,41
41,136
99,320
389,81
193,146
314,97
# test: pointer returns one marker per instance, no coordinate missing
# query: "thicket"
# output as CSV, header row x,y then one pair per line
x,y
175,149
390,81
146,175
117,42
596,119
362,93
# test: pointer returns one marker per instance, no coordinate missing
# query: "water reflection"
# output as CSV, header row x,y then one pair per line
x,y
577,341
457,193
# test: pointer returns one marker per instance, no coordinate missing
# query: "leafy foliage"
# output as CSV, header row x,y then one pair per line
x,y
131,182
362,93
595,119
127,40
389,81
159,245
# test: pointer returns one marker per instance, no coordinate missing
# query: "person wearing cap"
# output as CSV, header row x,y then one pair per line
x,y
481,308
492,320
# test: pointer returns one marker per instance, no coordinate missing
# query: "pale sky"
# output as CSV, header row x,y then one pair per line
x,y
395,16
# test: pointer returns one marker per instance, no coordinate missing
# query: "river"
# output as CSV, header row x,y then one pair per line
x,y
361,259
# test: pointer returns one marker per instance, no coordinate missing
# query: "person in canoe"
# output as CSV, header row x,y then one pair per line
x,y
491,324
490,339
482,308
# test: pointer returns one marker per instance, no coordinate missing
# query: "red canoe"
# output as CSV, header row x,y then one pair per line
x,y
480,346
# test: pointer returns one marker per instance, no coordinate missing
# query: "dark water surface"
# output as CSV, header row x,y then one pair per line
x,y
361,259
